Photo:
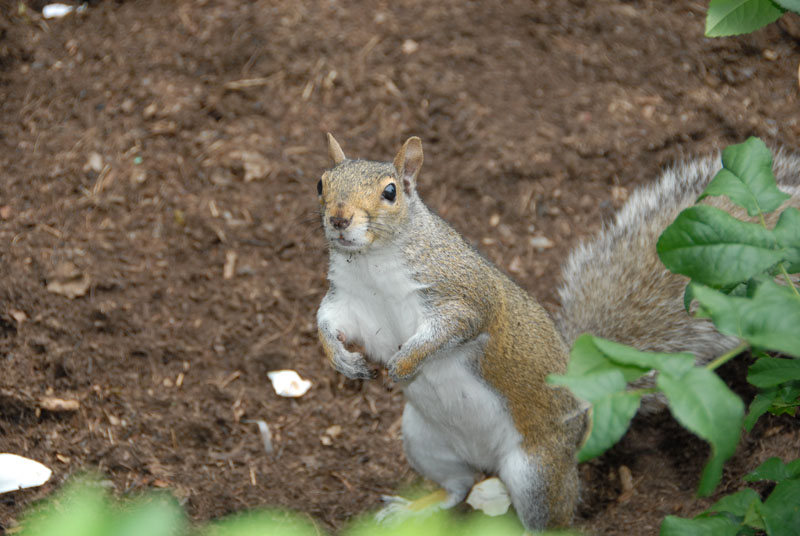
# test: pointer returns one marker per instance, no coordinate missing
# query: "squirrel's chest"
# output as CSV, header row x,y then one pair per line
x,y
380,300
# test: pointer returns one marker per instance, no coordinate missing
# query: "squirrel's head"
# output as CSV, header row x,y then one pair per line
x,y
364,203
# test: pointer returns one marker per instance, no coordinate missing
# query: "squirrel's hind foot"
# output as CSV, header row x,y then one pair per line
x,y
398,509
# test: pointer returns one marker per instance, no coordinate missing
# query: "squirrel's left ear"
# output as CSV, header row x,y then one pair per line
x,y
408,162
334,151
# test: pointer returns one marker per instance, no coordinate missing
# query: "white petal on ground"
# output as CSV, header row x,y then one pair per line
x,y
17,472
490,496
288,383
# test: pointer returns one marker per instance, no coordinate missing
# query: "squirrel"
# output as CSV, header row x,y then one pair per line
x,y
471,349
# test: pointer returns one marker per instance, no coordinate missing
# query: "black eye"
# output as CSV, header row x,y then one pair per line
x,y
390,192
319,187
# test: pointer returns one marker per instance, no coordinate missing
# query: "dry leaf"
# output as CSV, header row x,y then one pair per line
x,y
255,165
515,266
68,281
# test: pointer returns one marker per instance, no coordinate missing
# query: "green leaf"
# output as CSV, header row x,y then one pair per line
x,y
612,407
611,417
790,5
781,509
80,509
594,386
768,320
704,405
260,523
746,178
154,515
479,524
758,407
737,503
794,468
437,524
754,516
704,526
771,371
787,233
587,357
714,248
733,17
784,398
772,469
674,364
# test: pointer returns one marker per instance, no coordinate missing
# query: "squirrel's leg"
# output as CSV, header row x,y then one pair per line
x,y
453,324
428,453
543,485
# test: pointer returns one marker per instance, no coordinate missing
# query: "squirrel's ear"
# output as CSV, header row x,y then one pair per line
x,y
409,161
334,151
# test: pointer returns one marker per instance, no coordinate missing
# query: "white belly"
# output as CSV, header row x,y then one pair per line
x,y
471,416
377,302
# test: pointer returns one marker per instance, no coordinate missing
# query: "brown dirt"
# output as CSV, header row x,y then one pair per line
x,y
545,113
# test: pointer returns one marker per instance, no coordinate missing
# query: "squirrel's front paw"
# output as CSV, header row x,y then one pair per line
x,y
352,365
402,369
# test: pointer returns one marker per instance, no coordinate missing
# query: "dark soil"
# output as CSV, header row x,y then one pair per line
x,y
143,143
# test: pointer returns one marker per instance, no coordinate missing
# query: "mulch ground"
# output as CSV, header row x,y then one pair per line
x,y
145,146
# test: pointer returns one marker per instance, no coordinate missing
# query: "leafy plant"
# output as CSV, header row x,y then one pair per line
x,y
733,17
84,508
740,278
744,513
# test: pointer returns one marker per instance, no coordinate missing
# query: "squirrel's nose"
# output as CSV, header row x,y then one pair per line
x,y
340,223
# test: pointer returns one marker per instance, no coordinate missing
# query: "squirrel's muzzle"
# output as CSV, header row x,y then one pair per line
x,y
340,223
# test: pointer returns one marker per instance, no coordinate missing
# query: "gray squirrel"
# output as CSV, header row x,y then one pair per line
x,y
470,348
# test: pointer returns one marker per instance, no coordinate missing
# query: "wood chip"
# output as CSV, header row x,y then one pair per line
x,y
625,478
626,481
52,403
229,269
409,46
541,242
266,435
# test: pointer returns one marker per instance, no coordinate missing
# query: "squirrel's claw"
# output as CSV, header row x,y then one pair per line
x,y
353,366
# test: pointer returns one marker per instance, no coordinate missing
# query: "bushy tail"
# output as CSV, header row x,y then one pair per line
x,y
614,286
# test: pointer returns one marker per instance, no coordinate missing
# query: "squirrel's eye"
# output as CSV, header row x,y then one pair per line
x,y
319,187
390,192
